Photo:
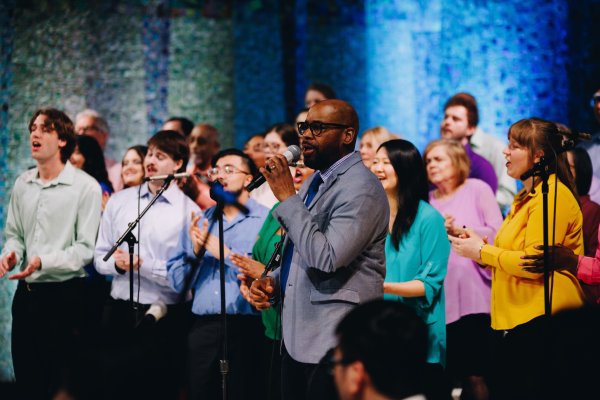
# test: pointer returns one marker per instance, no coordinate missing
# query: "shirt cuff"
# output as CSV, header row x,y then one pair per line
x,y
490,255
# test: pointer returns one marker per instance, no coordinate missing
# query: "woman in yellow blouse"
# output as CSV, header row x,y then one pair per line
x,y
517,303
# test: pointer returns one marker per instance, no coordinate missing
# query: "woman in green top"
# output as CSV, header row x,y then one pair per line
x,y
416,248
252,268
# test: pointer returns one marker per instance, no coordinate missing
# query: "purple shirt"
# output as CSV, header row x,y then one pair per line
x,y
467,286
482,169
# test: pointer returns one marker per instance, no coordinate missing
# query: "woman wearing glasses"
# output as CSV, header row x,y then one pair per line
x,y
517,302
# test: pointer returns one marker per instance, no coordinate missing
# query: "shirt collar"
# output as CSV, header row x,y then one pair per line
x,y
329,172
170,195
65,177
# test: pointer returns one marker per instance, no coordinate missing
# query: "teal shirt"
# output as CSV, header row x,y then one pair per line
x,y
57,221
423,255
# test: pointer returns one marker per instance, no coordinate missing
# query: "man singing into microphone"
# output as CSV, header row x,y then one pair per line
x,y
154,356
234,170
334,256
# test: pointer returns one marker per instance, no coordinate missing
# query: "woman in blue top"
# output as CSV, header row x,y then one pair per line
x,y
416,248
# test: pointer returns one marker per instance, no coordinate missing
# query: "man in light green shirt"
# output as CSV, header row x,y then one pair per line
x,y
51,229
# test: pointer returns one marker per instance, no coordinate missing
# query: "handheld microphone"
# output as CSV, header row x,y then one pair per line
x,y
292,154
154,314
178,175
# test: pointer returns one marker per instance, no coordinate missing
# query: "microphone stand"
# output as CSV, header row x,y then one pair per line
x,y
223,362
129,237
541,169
222,198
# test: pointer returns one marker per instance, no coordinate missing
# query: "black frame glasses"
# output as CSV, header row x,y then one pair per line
x,y
595,100
317,127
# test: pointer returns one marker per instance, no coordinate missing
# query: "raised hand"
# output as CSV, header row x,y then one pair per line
x,y
8,263
197,234
35,263
468,245
561,257
452,229
247,265
279,177
121,258
261,291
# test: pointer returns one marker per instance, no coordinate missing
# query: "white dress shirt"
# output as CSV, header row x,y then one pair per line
x,y
161,231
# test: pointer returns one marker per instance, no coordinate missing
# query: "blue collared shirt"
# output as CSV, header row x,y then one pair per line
x,y
240,235
162,231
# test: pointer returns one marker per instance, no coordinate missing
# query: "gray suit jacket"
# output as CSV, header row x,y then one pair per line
x,y
339,256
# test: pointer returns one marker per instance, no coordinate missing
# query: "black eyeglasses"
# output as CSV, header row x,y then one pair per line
x,y
317,127
595,100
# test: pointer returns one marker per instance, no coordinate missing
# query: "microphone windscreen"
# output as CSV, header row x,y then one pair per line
x,y
292,153
157,310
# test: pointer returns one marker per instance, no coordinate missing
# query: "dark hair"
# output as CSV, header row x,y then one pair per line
x,y
186,124
62,124
583,170
324,89
391,341
412,185
172,143
93,157
260,135
537,134
236,152
286,132
140,150
467,101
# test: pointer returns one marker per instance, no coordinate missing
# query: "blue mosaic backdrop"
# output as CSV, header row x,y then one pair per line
x,y
244,65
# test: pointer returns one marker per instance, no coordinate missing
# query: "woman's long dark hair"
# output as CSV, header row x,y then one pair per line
x,y
412,185
94,159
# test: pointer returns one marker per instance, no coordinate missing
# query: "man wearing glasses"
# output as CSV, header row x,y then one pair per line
x,y
333,258
381,353
234,170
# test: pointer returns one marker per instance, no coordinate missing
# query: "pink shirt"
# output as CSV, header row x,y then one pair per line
x,y
467,285
589,267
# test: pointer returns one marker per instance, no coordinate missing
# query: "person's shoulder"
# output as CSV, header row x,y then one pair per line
x,y
490,139
476,184
480,160
188,202
360,174
564,194
125,193
26,176
428,214
82,178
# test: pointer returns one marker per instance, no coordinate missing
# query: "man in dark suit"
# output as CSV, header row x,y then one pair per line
x,y
334,256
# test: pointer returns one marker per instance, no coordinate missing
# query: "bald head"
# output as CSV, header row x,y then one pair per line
x,y
333,126
338,111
